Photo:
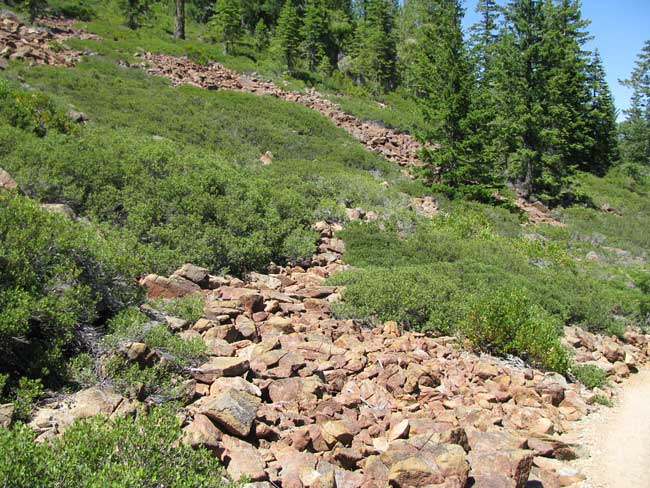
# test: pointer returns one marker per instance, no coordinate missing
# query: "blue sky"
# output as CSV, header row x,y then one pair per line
x,y
619,27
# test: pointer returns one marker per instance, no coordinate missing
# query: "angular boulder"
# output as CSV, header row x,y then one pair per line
x,y
233,410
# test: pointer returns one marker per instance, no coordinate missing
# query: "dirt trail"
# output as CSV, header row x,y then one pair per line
x,y
618,439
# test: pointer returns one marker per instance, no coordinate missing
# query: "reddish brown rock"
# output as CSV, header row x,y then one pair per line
x,y
217,367
201,432
242,460
514,464
173,287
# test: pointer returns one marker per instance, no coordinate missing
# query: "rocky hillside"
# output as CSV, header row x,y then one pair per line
x,y
291,396
337,323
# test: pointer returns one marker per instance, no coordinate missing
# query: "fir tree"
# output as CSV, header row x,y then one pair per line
x,y
315,33
227,23
447,87
287,35
134,11
484,143
522,83
635,130
416,16
565,135
484,35
601,120
261,35
340,29
375,55
542,96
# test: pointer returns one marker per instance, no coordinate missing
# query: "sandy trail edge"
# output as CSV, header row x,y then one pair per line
x,y
618,439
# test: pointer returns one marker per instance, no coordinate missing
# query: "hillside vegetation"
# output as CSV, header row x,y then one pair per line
x,y
160,176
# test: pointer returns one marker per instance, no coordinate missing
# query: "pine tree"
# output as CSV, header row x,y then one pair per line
x,y
601,120
635,130
287,35
261,35
315,32
227,23
134,11
375,56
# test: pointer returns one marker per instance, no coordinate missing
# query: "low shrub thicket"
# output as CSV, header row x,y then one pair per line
x,y
163,376
590,375
55,276
178,169
506,322
457,272
32,111
98,453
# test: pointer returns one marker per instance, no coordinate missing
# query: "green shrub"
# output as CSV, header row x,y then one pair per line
x,y
603,400
77,9
34,7
177,169
26,395
429,302
189,307
32,111
100,453
590,375
506,322
81,370
163,378
132,380
3,383
131,325
55,276
134,11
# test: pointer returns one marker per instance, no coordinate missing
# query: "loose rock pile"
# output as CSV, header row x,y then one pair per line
x,y
293,397
537,212
396,147
38,45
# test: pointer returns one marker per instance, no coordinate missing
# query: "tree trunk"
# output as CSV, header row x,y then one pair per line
x,y
179,21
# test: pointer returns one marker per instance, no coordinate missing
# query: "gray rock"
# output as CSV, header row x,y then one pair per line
x,y
234,411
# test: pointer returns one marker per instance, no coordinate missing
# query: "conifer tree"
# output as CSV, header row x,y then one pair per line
x,y
601,120
134,11
564,133
227,23
287,36
315,33
485,120
635,130
340,29
35,8
521,80
375,55
484,35
416,16
447,87
543,97
261,35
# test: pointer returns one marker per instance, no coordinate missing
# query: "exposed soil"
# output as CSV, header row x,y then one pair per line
x,y
617,439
